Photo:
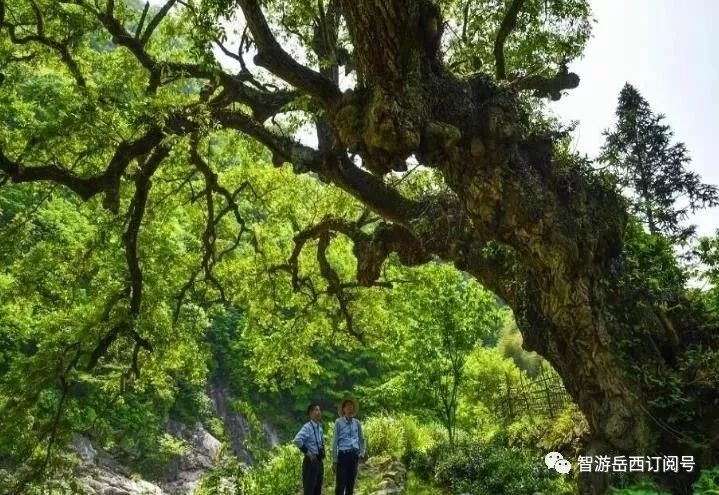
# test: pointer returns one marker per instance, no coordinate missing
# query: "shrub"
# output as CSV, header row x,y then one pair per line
x,y
708,482
166,453
537,433
423,462
279,475
385,436
223,478
400,436
490,468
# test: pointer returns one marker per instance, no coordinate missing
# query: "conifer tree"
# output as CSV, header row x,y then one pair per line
x,y
641,151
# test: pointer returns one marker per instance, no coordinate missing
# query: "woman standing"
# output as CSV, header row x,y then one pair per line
x,y
348,446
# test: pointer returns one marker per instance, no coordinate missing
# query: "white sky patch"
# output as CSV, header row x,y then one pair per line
x,y
664,48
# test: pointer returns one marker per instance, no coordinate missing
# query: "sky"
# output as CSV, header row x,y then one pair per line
x,y
665,49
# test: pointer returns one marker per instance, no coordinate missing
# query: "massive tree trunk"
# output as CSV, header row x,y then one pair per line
x,y
562,231
544,234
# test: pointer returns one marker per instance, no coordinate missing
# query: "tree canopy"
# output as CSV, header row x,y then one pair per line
x,y
163,162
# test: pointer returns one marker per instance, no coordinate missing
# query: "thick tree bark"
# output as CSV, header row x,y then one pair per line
x,y
557,230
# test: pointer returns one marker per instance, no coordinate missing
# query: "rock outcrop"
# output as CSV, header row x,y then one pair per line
x,y
184,475
392,475
100,474
237,426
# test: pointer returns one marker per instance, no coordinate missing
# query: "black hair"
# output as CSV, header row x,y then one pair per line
x,y
345,402
311,406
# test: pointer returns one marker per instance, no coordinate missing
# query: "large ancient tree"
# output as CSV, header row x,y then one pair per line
x,y
432,81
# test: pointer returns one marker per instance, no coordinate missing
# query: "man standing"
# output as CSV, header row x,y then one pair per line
x,y
348,447
310,440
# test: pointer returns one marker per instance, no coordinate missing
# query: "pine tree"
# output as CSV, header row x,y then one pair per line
x,y
653,168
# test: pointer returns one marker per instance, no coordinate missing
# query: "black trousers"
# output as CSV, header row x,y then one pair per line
x,y
346,472
312,474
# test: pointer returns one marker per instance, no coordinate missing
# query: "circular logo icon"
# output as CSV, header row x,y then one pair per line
x,y
555,460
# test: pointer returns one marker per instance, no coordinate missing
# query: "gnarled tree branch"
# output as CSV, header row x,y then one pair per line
x,y
87,187
164,10
545,87
61,47
135,283
275,59
334,166
509,23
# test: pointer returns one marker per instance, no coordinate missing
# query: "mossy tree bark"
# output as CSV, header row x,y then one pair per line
x,y
543,233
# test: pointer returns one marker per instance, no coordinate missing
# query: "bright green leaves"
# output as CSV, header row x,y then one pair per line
x,y
438,317
548,34
63,275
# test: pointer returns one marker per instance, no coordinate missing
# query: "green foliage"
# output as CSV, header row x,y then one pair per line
x,y
707,251
548,34
443,315
221,479
385,437
708,482
487,374
400,436
417,486
651,268
64,278
256,439
491,468
157,458
423,461
565,432
652,284
191,404
62,272
281,474
497,465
